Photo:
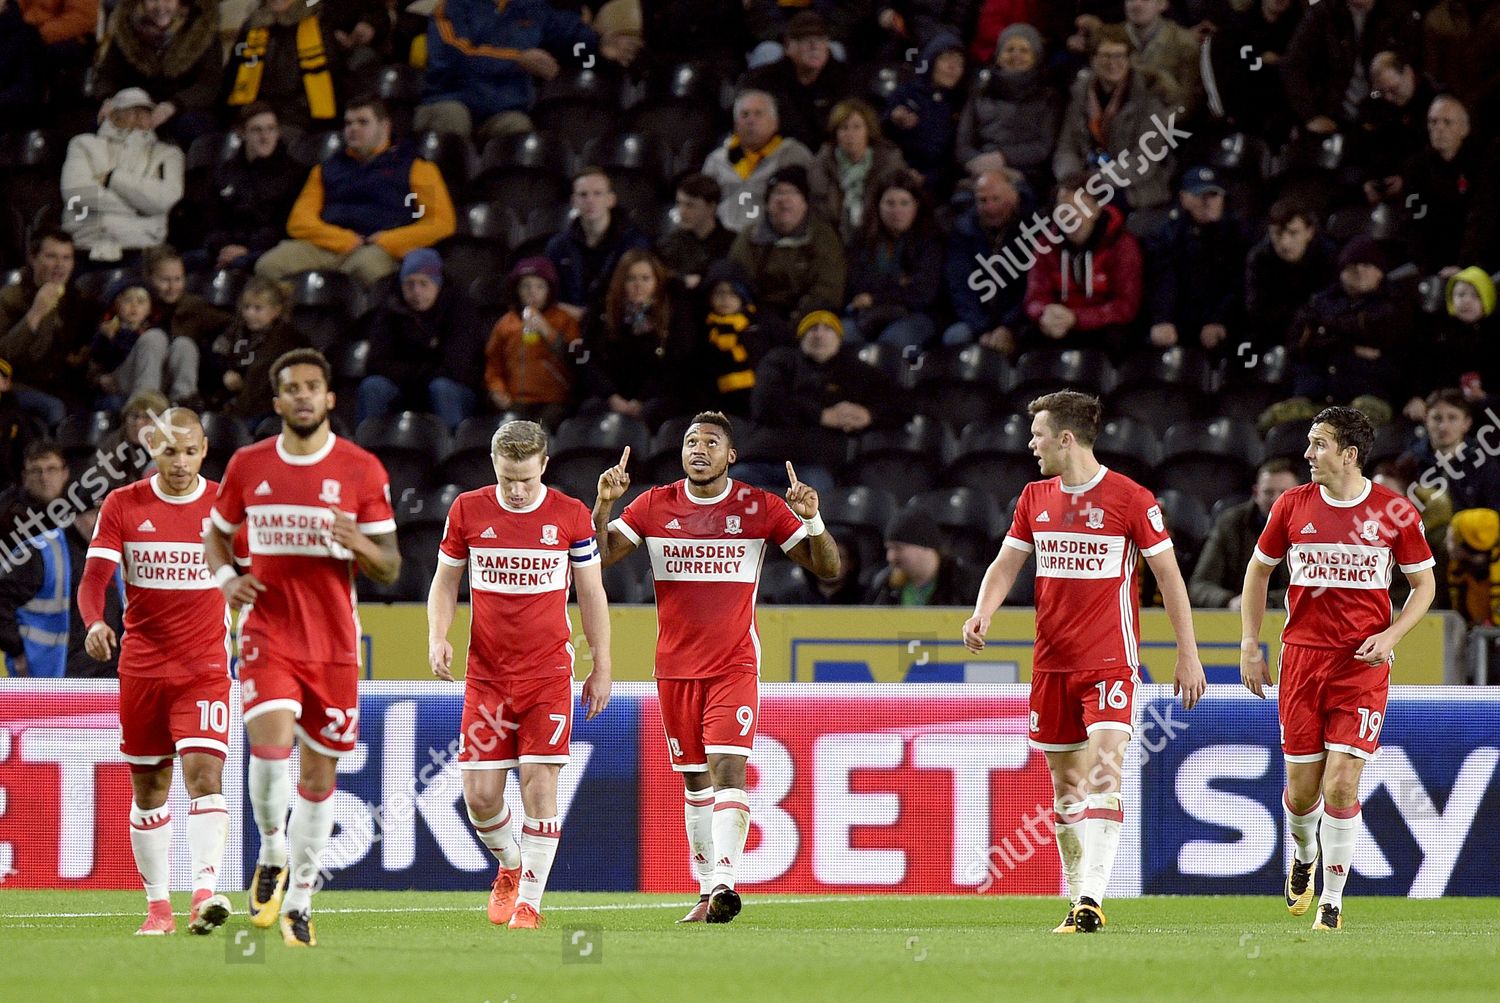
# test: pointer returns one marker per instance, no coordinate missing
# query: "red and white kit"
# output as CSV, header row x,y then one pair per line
x,y
1088,541
706,555
518,683
174,656
1341,557
299,642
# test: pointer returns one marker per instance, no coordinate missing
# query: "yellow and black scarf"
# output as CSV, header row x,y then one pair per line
x,y
311,56
746,161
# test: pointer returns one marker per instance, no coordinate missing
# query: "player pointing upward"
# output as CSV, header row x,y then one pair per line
x,y
706,535
1341,537
1087,524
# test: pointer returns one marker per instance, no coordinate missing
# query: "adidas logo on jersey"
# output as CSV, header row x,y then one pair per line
x,y
674,524
263,488
488,534
1309,528
146,527
1044,517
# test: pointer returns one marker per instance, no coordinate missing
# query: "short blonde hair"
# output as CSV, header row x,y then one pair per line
x,y
519,440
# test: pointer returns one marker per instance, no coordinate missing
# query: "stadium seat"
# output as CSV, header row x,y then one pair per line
x,y
312,148
351,363
876,82
523,171
79,435
223,434
408,443
1310,152
1162,387
454,156
1286,441
418,565
632,154
399,84
899,363
1253,381
212,149
585,446
996,460
334,291
95,284
1242,155
1432,296
1391,440
13,277
963,386
662,462
686,132
1209,459
971,520
858,515
468,463
30,164
598,86
905,460
1189,523
1046,370
221,287
1382,223
529,236
478,246
1129,446
428,507
781,581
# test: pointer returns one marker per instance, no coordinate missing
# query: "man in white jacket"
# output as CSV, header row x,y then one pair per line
x,y
119,184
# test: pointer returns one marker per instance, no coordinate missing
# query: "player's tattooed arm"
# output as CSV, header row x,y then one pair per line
x,y
380,560
614,546
818,552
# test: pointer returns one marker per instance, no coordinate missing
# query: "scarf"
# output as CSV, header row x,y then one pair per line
x,y
746,161
311,56
1101,118
853,177
724,331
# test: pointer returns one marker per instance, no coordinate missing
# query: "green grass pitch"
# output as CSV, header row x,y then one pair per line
x,y
433,947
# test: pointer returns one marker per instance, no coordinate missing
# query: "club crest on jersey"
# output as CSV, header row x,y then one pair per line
x,y
732,525
330,492
549,535
1370,530
1096,518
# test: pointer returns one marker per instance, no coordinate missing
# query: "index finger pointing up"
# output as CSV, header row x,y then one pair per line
x,y
790,473
625,458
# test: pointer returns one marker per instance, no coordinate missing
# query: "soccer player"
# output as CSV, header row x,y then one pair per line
x,y
174,663
1340,535
706,536
313,505
1088,527
523,544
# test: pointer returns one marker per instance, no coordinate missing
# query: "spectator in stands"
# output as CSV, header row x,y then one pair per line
x,y
426,347
170,49
917,22
895,267
810,398
237,373
1452,461
119,184
1195,265
1219,574
768,21
733,341
122,456
483,61
1473,565
1085,293
586,252
1248,87
922,116
806,82
917,572
361,32
1441,179
130,353
641,345
1463,47
532,357
755,152
365,208
988,227
1111,106
22,57
849,165
1341,340
66,26
45,327
252,193
1160,44
23,506
698,239
1013,113
183,315
281,58
843,589
1461,349
1327,67
41,630
1393,123
1290,263
17,429
794,259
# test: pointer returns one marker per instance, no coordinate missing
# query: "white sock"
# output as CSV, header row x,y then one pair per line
x,y
150,841
1339,829
698,813
496,834
1101,838
270,787
208,825
1304,828
1067,821
539,839
307,835
731,829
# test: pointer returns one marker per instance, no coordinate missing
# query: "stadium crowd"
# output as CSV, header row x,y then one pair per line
x,y
870,230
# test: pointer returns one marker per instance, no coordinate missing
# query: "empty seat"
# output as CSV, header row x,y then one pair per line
x,y
223,434
454,156
1253,381
80,435
220,288
859,515
1287,440
662,462
781,581
586,445
478,246
964,386
407,443
904,461
1160,387
312,148
1188,521
994,459
1209,459
900,363
427,507
333,291
970,520
1129,446
1047,370
635,154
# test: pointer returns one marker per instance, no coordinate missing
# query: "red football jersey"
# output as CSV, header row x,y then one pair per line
x,y
307,611
1088,541
176,620
706,555
520,566
1340,557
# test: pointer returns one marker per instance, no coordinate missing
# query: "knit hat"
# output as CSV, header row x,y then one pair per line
x,y
792,174
1362,250
1482,283
1478,528
806,24
423,261
733,273
816,317
943,41
130,280
1027,33
915,527
538,266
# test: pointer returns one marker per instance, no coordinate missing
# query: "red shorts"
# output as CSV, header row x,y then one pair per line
x,y
715,714
513,721
1328,700
162,715
1068,707
322,696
